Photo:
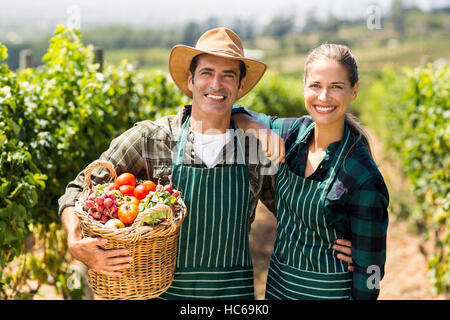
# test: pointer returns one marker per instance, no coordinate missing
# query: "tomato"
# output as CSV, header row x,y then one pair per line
x,y
131,199
150,184
126,179
142,190
127,190
128,212
112,187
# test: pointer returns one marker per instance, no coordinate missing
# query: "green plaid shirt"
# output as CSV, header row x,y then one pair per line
x,y
356,203
146,150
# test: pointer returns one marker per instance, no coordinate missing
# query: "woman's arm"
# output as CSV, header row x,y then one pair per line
x,y
368,221
271,143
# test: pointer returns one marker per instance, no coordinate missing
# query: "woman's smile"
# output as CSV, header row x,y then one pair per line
x,y
324,109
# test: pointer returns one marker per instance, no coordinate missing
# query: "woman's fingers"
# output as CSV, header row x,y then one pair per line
x,y
345,258
344,242
343,249
275,145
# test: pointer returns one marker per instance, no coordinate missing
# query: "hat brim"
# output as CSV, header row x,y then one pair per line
x,y
181,57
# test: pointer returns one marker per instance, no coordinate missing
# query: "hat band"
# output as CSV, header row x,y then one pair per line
x,y
230,52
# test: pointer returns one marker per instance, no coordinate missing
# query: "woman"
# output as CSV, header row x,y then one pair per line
x,y
328,188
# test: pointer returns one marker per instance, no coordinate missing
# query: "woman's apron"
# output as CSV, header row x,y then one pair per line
x,y
213,260
303,264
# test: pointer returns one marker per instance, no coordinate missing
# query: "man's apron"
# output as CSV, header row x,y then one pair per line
x,y
303,264
213,260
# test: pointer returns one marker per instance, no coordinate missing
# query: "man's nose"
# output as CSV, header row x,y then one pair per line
x,y
216,82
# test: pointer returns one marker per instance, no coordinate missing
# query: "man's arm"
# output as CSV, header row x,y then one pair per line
x,y
125,153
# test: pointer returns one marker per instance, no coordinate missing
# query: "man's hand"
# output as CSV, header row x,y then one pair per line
x,y
87,250
344,246
107,262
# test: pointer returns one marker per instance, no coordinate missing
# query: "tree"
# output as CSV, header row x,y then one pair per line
x,y
311,21
398,16
191,33
280,26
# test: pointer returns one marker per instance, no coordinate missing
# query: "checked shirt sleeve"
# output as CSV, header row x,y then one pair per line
x,y
369,221
124,152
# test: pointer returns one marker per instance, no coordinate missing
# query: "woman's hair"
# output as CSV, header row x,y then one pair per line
x,y
342,54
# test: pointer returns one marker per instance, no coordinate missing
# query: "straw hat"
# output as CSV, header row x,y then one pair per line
x,y
221,42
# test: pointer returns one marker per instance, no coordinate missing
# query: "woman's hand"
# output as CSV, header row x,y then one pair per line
x,y
344,246
271,143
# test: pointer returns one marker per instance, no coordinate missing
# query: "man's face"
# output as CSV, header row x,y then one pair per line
x,y
215,86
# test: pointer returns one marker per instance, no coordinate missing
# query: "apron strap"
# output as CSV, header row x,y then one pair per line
x,y
300,137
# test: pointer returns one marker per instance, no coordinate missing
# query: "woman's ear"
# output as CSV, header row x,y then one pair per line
x,y
355,91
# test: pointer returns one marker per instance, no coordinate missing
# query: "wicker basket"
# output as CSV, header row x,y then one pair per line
x,y
153,249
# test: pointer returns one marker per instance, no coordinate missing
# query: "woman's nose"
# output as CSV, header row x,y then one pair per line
x,y
323,95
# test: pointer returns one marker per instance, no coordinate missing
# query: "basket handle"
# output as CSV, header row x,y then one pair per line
x,y
90,168
158,207
136,229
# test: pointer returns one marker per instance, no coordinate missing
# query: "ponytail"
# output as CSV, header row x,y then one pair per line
x,y
358,132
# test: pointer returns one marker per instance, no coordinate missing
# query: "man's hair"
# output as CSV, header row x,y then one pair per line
x,y
194,63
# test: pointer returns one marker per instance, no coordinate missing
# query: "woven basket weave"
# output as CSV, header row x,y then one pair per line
x,y
153,249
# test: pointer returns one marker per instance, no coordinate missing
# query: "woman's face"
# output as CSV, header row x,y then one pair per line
x,y
328,91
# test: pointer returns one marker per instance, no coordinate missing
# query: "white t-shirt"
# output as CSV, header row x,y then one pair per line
x,y
208,146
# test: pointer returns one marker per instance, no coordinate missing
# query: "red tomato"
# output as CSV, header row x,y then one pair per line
x,y
128,212
127,190
126,179
150,184
140,192
131,199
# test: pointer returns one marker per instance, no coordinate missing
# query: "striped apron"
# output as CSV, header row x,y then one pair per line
x,y
214,260
303,264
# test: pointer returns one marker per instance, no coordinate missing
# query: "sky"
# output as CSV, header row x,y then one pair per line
x,y
44,15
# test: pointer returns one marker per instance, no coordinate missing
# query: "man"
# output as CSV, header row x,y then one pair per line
x,y
210,165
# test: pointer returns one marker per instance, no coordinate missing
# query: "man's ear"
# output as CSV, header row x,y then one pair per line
x,y
242,85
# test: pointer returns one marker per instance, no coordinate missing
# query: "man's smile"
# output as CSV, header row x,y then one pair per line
x,y
215,97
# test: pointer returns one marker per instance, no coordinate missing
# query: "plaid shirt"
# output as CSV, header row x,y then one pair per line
x,y
356,203
146,150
